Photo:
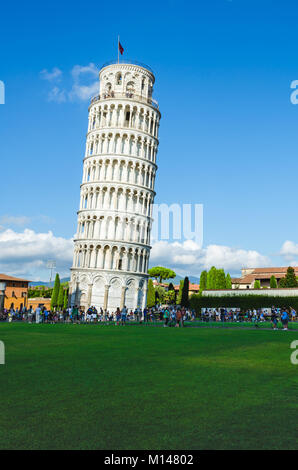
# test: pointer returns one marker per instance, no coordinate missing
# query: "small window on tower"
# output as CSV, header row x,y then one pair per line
x,y
120,264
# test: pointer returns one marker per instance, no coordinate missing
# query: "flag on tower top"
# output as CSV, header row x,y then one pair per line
x,y
121,50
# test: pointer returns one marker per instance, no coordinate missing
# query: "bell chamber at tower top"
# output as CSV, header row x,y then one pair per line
x,y
127,81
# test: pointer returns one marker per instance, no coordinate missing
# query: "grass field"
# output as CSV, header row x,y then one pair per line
x,y
136,387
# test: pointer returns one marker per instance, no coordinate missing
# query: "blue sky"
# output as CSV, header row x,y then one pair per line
x,y
227,137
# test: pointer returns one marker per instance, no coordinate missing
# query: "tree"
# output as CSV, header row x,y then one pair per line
x,y
65,300
211,278
228,281
291,280
282,282
150,294
273,282
160,273
170,296
160,294
55,293
257,284
60,297
171,287
220,279
185,293
203,280
179,298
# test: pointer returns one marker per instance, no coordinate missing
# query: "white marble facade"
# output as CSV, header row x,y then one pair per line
x,y
112,244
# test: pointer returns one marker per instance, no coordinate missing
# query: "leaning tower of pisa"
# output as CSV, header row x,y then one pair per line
x,y
112,243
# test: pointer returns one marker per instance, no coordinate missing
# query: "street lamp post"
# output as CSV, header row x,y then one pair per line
x,y
2,295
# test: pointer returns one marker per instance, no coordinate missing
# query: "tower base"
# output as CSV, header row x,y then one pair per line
x,y
107,289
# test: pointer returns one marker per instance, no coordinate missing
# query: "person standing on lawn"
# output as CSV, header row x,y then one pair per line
x,y
285,319
123,315
37,314
166,317
274,319
75,314
178,318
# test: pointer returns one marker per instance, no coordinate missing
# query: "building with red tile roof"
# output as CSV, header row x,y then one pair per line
x,y
250,275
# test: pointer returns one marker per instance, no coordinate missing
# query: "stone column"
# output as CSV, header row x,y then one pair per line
x,y
2,297
137,297
89,295
76,302
122,301
106,296
144,299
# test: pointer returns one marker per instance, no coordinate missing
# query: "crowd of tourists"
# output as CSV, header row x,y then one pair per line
x,y
168,315
256,316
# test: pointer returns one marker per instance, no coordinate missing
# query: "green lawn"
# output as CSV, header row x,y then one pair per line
x,y
241,324
136,387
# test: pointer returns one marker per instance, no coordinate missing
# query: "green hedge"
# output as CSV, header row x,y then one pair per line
x,y
241,301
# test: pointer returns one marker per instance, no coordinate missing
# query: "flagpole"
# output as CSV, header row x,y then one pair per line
x,y
118,49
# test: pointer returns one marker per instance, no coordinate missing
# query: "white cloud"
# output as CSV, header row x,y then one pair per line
x,y
79,70
84,91
57,95
55,74
289,251
14,220
23,220
85,83
188,258
26,253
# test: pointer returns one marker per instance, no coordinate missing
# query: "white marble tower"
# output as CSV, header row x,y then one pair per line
x,y
112,244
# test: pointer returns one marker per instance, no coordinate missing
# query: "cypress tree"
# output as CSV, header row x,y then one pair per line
x,y
220,279
291,280
150,294
273,282
203,280
257,284
211,278
228,281
179,298
60,297
65,300
55,293
185,293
